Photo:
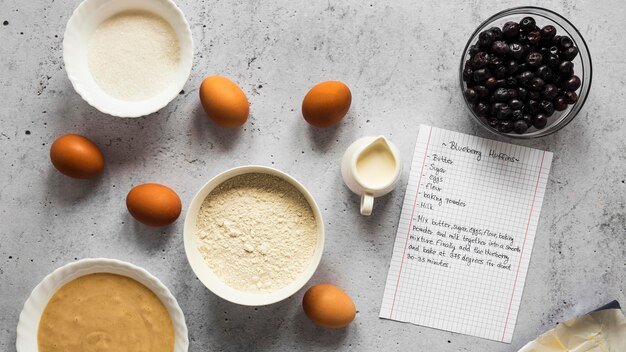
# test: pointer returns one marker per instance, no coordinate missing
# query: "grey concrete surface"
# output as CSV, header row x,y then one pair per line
x,y
400,59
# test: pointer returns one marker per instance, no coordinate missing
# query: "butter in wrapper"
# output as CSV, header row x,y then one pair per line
x,y
603,330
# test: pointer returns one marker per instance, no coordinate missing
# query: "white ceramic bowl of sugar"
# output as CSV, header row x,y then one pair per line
x,y
82,25
210,279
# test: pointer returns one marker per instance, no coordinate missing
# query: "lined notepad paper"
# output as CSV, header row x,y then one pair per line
x,y
466,234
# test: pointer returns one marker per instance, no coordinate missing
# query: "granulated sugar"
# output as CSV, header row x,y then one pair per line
x,y
134,55
256,232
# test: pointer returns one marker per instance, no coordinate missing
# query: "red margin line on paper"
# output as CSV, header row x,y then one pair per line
x,y
506,321
410,223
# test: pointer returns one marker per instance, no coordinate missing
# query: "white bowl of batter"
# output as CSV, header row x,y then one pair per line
x,y
28,326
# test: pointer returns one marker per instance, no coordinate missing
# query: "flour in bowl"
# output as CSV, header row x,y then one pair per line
x,y
134,55
256,232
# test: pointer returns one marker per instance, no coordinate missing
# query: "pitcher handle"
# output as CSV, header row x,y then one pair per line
x,y
367,204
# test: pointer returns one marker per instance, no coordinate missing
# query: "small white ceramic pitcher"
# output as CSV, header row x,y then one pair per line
x,y
371,168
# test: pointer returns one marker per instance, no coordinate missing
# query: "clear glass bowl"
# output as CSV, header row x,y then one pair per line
x,y
582,65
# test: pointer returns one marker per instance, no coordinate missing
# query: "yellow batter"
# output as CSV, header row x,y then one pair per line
x,y
105,312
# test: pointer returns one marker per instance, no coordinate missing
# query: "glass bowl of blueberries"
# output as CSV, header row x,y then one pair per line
x,y
525,72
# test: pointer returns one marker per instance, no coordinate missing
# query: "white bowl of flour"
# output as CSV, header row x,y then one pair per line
x,y
128,58
253,235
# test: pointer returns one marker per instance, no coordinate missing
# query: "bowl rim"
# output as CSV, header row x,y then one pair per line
x,y
579,104
28,324
186,63
214,283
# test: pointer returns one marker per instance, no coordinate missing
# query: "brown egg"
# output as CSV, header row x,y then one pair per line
x,y
326,104
76,156
153,204
224,102
328,306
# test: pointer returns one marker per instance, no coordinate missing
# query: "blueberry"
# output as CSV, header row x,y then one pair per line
x,y
547,107
569,53
493,123
528,47
473,50
537,84
534,59
494,61
501,95
532,107
526,77
565,43
528,119
499,72
522,93
495,107
553,50
534,37
570,97
480,60
482,109
553,61
482,92
511,82
523,39
560,104
481,75
548,32
467,74
557,79
516,51
470,95
534,95
504,113
516,104
517,115
486,38
490,83
513,93
566,67
520,126
497,33
544,72
501,83
550,91
540,121
505,126
510,30
511,67
500,47
572,83
527,24
523,67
